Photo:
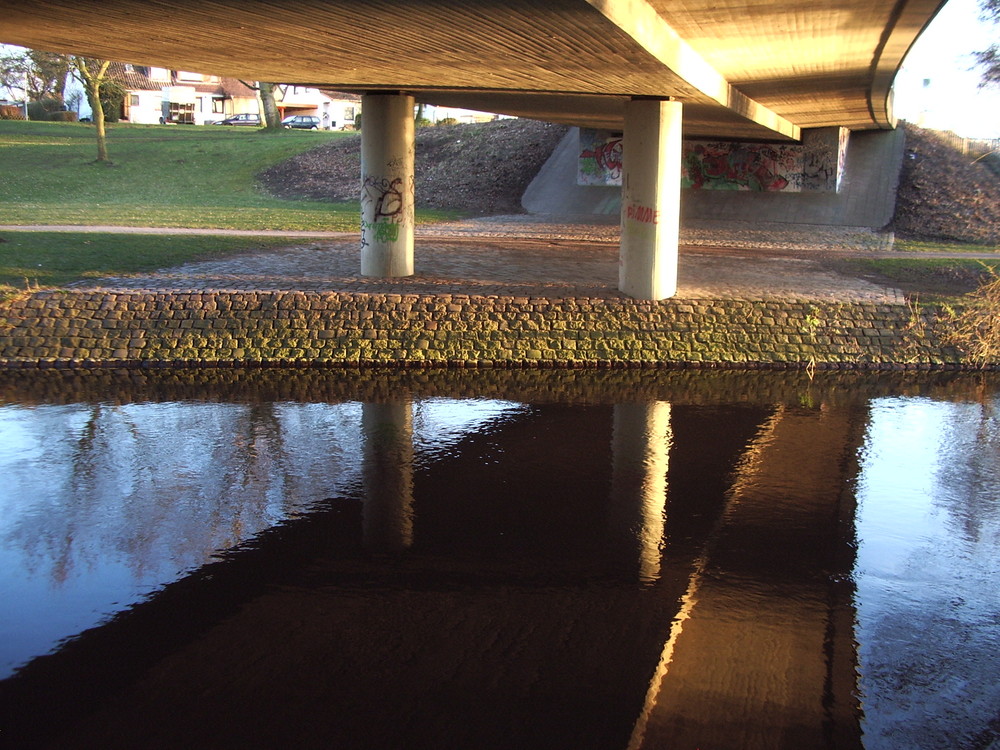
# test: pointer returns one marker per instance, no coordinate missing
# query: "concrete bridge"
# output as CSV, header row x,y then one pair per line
x,y
652,69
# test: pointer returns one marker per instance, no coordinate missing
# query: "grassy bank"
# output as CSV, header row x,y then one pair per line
x,y
53,259
162,176
928,279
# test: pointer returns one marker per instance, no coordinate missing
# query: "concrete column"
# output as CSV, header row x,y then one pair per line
x,y
387,185
640,454
651,190
387,520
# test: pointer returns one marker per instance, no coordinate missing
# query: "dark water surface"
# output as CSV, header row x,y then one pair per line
x,y
317,559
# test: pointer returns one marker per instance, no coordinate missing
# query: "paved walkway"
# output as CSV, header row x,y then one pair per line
x,y
530,256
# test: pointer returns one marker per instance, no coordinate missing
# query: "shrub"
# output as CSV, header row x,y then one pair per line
x,y
447,121
41,109
63,116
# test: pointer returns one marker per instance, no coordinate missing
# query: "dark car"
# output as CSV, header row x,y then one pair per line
x,y
245,119
301,122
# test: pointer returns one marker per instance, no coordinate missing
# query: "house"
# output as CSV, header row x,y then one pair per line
x,y
157,95
336,110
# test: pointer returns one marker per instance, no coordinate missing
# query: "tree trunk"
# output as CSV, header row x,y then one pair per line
x,y
269,108
92,82
97,108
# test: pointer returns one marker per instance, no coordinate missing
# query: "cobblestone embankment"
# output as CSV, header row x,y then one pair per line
x,y
99,328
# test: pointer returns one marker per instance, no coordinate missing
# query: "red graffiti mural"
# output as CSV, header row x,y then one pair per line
x,y
742,168
608,156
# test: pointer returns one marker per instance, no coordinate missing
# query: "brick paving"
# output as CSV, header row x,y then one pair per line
x,y
528,256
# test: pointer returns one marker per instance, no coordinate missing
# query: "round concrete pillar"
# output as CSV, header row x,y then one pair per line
x,y
651,191
387,153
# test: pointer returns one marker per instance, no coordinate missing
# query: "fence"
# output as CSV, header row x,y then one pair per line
x,y
974,147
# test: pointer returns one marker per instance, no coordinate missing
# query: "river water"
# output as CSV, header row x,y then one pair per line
x,y
620,559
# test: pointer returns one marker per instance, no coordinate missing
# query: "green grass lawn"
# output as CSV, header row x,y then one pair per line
x,y
53,259
162,176
928,246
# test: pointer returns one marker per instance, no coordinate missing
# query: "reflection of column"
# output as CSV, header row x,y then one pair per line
x,y
388,475
641,446
387,159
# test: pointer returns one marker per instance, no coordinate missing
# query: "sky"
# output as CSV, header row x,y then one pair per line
x,y
935,87
950,99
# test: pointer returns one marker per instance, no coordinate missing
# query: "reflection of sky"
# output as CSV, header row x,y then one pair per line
x,y
928,602
440,422
102,504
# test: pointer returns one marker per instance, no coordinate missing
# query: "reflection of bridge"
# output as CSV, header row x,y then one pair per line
x,y
736,70
727,633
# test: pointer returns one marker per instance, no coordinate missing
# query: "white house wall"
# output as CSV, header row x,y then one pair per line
x,y
144,107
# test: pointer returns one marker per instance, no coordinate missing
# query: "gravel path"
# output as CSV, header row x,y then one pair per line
x,y
526,255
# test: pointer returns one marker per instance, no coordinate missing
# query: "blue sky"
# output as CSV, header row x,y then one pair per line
x,y
951,99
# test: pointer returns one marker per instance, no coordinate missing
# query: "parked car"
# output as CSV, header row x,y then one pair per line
x,y
301,122
244,119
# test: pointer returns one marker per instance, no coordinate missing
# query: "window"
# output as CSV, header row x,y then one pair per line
x,y
348,114
218,106
133,100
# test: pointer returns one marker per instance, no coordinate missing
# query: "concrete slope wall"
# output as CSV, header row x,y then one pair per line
x,y
867,197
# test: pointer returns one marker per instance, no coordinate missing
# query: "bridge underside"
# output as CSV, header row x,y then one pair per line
x,y
742,68
734,69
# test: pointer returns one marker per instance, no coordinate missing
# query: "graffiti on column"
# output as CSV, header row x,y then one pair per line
x,y
824,153
384,196
384,208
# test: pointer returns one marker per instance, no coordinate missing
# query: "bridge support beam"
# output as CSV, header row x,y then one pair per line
x,y
651,192
387,157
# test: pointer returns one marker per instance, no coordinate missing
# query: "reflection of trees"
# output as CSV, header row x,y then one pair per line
x,y
930,531
969,469
156,489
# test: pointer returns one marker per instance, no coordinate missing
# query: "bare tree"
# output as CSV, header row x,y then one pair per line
x,y
41,75
93,74
989,58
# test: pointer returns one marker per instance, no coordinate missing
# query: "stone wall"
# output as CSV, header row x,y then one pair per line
x,y
96,328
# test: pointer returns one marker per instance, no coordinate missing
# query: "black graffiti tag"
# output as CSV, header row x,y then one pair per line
x,y
385,195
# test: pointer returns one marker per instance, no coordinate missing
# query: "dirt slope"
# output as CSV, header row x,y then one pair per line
x,y
480,169
944,194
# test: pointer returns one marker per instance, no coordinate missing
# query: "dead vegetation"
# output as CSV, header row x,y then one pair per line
x,y
945,194
478,169
975,329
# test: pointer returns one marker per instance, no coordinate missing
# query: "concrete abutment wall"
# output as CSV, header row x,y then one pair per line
x,y
105,328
